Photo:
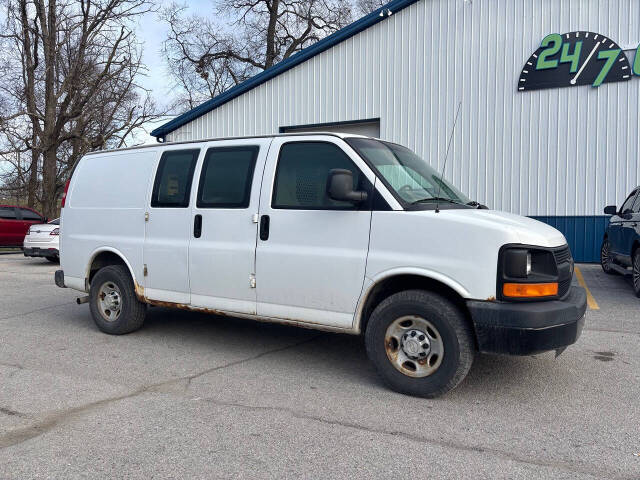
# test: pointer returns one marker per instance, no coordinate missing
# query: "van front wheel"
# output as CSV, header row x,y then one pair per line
x,y
420,343
114,306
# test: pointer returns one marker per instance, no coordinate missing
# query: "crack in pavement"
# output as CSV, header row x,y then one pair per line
x,y
504,455
12,365
13,413
190,378
54,419
35,311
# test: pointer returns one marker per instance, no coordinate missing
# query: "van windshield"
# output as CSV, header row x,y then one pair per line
x,y
406,173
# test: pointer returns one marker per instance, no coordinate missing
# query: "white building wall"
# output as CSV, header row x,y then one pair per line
x,y
559,152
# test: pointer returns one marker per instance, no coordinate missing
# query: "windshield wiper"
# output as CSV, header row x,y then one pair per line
x,y
477,205
435,199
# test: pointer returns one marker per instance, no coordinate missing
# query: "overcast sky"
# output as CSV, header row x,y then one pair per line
x,y
153,32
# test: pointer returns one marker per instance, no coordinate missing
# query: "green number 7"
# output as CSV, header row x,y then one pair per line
x,y
611,56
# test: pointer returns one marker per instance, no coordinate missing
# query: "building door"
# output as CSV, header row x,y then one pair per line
x,y
368,128
168,229
224,216
312,250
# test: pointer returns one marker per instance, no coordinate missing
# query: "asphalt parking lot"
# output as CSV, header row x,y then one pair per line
x,y
198,396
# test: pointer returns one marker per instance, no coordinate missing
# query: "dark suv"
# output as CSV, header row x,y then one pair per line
x,y
620,250
15,222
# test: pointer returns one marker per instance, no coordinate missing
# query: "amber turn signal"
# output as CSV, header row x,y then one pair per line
x,y
524,290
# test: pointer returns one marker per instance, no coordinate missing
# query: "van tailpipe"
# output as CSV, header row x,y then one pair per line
x,y
81,300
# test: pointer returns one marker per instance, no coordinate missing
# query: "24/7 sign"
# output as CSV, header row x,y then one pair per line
x,y
576,58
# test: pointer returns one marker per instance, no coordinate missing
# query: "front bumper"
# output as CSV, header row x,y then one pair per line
x,y
40,252
525,328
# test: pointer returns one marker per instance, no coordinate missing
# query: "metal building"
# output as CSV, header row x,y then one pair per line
x,y
538,149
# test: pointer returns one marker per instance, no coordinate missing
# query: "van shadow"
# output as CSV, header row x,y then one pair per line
x,y
339,355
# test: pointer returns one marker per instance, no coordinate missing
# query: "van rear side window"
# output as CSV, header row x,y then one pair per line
x,y
225,181
172,185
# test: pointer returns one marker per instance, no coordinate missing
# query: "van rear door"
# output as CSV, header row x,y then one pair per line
x,y
168,229
223,228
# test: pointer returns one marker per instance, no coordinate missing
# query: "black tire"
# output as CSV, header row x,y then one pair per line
x,y
53,259
605,258
635,272
132,311
452,327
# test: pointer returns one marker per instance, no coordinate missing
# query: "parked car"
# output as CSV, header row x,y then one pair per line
x,y
332,232
620,252
43,240
15,222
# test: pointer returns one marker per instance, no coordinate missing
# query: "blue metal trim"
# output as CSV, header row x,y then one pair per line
x,y
296,59
584,234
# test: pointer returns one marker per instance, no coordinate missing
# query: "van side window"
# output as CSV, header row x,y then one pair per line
x,y
225,180
172,185
302,174
7,213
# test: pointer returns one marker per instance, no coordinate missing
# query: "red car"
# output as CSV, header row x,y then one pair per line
x,y
15,222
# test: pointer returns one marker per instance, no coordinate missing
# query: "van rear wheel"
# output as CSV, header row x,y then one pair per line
x,y
114,306
420,343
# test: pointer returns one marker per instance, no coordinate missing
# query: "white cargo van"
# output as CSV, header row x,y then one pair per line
x,y
334,232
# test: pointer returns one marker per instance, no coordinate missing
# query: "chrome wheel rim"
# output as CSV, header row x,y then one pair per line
x,y
636,272
414,346
109,301
605,259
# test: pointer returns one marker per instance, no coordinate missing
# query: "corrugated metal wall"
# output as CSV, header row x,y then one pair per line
x,y
559,152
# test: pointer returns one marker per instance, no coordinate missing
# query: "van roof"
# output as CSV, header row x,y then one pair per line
x,y
204,140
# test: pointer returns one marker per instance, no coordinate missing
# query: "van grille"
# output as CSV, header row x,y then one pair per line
x,y
563,256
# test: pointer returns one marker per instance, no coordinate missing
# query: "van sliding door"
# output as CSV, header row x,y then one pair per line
x,y
223,225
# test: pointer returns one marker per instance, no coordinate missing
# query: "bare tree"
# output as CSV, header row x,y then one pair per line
x,y
68,86
365,7
206,56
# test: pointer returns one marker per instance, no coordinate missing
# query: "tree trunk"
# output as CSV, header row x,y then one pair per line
x,y
33,173
49,200
270,56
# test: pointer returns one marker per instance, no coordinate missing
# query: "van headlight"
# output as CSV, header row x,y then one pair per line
x,y
526,272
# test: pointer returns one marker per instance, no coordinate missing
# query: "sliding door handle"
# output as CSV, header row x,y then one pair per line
x,y
264,227
197,226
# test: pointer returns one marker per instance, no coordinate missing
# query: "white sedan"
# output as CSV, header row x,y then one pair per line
x,y
43,240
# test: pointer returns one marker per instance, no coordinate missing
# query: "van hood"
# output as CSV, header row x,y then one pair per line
x,y
522,229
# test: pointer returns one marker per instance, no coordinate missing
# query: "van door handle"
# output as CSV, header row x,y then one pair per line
x,y
264,227
197,226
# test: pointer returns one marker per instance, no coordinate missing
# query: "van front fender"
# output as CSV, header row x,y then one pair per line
x,y
371,283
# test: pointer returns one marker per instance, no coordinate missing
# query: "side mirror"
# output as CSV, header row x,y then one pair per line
x,y
610,210
340,187
45,220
